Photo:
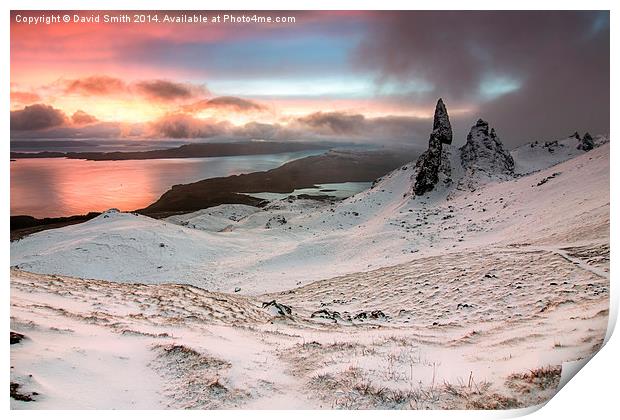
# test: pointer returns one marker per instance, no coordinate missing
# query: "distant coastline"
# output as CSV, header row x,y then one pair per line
x,y
24,225
195,150
331,167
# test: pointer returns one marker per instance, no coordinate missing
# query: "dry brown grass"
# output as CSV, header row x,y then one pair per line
x,y
351,389
541,378
195,379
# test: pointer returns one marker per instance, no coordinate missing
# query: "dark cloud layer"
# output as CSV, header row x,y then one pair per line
x,y
185,126
318,126
532,74
390,129
31,121
229,103
166,90
159,90
100,130
37,117
334,123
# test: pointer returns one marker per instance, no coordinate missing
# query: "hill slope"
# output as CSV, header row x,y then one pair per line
x,y
382,226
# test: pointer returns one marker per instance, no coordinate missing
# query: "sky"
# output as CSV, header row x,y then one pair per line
x,y
371,77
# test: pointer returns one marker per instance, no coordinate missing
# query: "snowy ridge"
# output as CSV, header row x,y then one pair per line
x,y
535,156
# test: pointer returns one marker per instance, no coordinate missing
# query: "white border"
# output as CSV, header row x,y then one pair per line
x,y
592,394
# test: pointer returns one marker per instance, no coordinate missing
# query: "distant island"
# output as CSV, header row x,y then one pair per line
x,y
195,150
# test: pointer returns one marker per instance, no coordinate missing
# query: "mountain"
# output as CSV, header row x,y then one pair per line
x,y
471,294
387,223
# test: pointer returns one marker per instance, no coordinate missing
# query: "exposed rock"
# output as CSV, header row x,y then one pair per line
x,y
576,135
484,158
275,221
441,123
586,143
16,337
434,160
333,316
370,315
277,309
484,152
19,395
546,179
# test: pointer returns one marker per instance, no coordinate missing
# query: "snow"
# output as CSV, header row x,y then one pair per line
x,y
328,238
475,285
214,219
534,156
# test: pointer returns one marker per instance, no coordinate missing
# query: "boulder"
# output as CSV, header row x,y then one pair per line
x,y
586,143
277,309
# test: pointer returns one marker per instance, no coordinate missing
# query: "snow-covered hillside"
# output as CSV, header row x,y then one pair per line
x,y
470,294
293,242
539,155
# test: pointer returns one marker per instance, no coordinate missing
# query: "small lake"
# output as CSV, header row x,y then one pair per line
x,y
53,187
338,190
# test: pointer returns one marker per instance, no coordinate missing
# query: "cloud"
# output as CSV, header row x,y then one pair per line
x,y
322,126
185,126
80,117
26,98
228,103
388,129
153,90
99,130
95,85
158,90
532,73
37,117
165,90
333,123
261,131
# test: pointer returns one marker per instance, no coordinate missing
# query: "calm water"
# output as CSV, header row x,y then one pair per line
x,y
338,190
62,187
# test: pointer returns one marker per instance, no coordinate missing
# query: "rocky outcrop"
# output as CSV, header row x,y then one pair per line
x,y
434,161
586,143
485,153
275,221
277,309
337,317
16,337
484,158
